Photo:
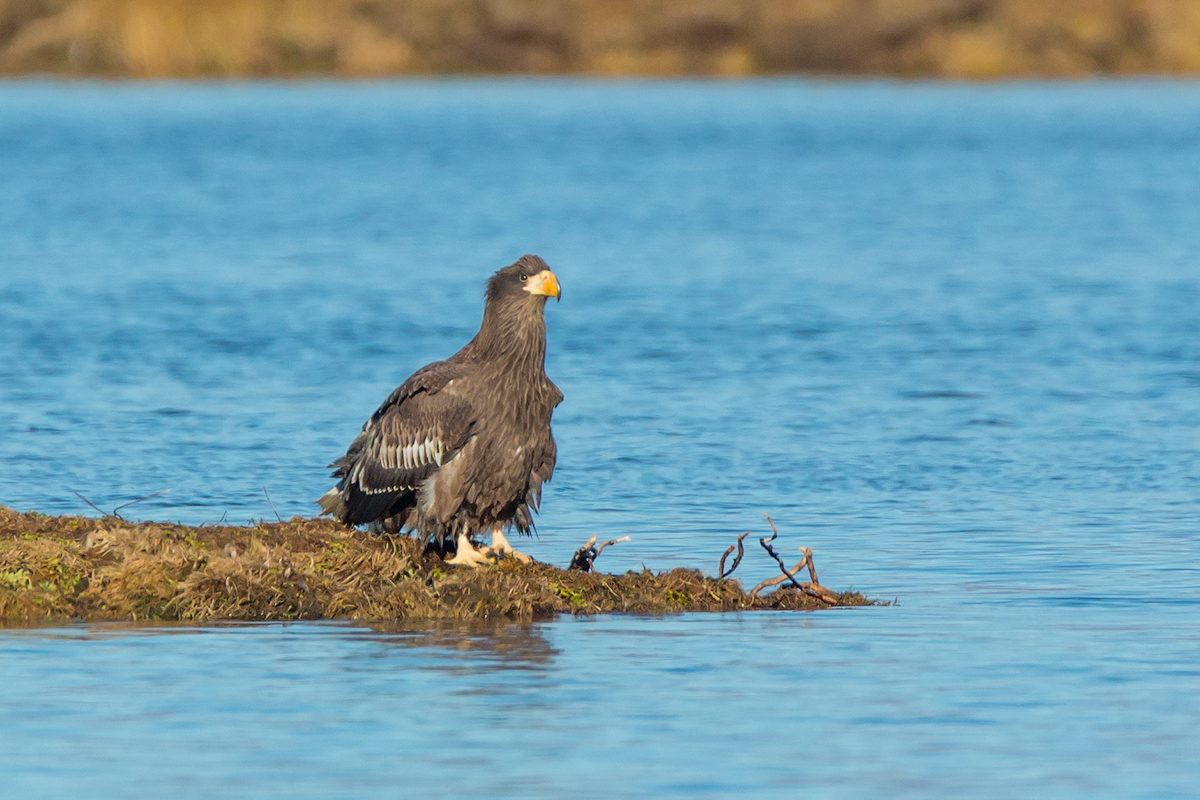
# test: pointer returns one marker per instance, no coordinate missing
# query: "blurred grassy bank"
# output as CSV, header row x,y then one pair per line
x,y
362,38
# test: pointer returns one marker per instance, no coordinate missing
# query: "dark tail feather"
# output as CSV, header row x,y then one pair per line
x,y
332,503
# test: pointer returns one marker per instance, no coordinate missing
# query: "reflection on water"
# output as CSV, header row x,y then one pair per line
x,y
507,645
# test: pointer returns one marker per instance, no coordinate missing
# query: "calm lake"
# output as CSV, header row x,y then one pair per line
x,y
948,336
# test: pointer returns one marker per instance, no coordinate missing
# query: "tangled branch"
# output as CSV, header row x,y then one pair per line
x,y
586,556
721,573
813,589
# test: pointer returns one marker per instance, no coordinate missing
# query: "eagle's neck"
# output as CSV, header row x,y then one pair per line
x,y
512,338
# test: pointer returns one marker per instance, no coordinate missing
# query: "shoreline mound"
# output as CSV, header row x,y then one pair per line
x,y
56,569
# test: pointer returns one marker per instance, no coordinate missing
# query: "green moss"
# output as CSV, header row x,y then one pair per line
x,y
15,579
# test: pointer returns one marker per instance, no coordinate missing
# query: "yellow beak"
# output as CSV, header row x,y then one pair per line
x,y
544,283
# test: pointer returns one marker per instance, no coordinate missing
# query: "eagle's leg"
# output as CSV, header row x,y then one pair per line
x,y
500,546
466,554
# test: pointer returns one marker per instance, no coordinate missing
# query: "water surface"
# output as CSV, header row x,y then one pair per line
x,y
946,335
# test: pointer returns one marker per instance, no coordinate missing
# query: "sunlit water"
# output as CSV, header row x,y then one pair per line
x,y
948,336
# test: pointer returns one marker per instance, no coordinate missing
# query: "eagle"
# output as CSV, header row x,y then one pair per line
x,y
464,445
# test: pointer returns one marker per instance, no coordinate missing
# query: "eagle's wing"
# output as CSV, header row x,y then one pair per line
x,y
420,427
547,454
543,458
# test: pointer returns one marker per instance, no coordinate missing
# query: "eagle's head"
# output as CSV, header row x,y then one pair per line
x,y
528,281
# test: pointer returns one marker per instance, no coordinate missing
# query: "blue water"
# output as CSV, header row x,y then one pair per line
x,y
947,336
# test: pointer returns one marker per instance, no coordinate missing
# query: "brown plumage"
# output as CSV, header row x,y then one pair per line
x,y
464,444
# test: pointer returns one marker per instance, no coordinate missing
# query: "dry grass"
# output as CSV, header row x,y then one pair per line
x,y
79,568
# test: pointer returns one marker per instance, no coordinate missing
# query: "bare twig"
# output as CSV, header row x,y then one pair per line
x,y
811,589
582,560
585,556
272,505
768,583
765,542
818,592
721,573
812,571
821,593
98,508
788,575
814,589
600,548
579,561
721,565
135,502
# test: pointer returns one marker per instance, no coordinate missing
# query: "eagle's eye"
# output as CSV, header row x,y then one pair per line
x,y
524,278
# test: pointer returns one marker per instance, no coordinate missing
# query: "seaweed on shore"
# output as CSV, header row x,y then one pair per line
x,y
79,568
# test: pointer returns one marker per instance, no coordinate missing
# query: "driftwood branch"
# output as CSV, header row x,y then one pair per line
x,y
766,544
586,556
788,574
768,583
721,573
600,548
812,571
814,589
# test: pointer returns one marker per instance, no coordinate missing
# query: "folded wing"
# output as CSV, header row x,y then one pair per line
x,y
417,430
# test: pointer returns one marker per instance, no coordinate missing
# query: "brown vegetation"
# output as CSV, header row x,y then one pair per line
x,y
79,568
948,38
